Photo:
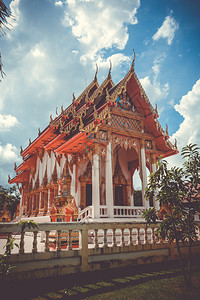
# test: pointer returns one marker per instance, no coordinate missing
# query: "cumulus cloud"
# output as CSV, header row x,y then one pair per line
x,y
99,25
167,30
15,15
189,131
154,89
7,122
8,153
58,3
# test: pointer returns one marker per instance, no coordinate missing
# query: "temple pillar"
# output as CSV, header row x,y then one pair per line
x,y
109,181
143,173
156,204
73,182
45,200
95,187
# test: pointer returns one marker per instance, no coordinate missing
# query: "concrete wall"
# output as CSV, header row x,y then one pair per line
x,y
96,251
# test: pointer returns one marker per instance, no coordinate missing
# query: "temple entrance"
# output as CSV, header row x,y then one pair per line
x,y
88,194
120,196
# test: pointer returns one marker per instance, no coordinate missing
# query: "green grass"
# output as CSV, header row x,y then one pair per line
x,y
137,287
161,289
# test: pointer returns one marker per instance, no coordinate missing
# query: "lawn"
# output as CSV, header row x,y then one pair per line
x,y
162,285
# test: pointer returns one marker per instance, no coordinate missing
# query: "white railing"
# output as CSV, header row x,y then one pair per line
x,y
128,211
79,247
86,213
103,211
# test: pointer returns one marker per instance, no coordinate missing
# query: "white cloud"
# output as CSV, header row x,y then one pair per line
x,y
15,15
167,30
37,52
8,153
58,3
154,89
189,129
7,121
100,25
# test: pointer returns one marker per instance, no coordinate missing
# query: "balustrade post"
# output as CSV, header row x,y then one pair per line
x,y
34,250
58,240
105,244
21,246
123,241
84,249
131,236
70,240
47,241
96,245
114,238
153,236
139,240
146,236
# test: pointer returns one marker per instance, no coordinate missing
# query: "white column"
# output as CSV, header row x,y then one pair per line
x,y
144,175
73,183
95,187
156,204
109,182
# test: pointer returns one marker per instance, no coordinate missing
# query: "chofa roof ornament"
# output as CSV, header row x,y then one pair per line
x,y
133,62
95,76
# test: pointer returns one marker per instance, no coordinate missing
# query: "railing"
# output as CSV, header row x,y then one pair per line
x,y
61,248
103,211
128,212
86,213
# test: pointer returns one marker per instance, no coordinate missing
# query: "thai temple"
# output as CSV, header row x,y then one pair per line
x,y
81,166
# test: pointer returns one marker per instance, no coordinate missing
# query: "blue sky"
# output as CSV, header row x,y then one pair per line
x,y
53,46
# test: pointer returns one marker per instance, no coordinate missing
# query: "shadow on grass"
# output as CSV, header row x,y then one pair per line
x,y
90,284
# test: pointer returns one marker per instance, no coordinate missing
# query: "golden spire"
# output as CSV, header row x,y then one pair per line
x,y
133,62
95,76
109,72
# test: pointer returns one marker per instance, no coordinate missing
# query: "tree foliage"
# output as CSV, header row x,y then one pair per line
x,y
9,200
178,191
4,15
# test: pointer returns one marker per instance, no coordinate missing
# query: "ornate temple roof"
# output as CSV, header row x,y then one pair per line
x,y
69,131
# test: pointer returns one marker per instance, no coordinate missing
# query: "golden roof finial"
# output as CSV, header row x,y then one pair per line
x,y
29,142
133,62
56,111
156,109
9,178
51,119
175,144
95,76
167,133
109,72
21,150
74,98
39,132
15,166
62,109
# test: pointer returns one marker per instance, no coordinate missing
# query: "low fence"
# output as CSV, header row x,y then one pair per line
x,y
61,248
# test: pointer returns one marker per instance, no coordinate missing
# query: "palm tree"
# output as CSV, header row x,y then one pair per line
x,y
4,15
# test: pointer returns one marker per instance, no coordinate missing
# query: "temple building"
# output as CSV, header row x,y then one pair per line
x,y
82,165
